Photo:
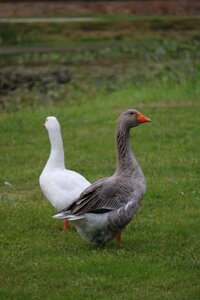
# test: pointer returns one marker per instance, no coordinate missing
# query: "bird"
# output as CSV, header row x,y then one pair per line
x,y
59,185
104,209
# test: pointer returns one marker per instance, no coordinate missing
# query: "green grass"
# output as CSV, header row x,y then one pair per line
x,y
155,69
159,256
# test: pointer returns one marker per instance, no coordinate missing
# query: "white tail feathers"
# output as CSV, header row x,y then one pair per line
x,y
66,215
75,218
61,215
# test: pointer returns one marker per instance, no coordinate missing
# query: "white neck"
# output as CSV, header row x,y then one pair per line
x,y
56,158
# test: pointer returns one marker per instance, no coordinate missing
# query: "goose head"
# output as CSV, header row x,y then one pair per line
x,y
132,118
51,123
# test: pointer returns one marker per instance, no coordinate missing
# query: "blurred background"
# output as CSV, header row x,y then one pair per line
x,y
85,62
54,51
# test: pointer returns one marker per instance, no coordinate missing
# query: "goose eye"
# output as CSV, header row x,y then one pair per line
x,y
131,113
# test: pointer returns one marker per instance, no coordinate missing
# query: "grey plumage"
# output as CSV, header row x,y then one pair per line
x,y
109,204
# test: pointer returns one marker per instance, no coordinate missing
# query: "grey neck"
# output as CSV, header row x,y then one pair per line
x,y
126,161
56,158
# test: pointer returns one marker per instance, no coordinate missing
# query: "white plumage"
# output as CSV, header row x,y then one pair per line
x,y
60,186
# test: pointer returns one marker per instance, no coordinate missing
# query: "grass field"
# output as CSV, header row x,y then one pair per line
x,y
159,255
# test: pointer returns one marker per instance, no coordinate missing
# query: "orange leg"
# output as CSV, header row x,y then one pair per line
x,y
65,225
118,236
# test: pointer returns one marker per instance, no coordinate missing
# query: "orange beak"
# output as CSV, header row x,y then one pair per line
x,y
142,119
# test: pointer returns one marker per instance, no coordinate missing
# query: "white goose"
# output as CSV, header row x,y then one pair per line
x,y
59,185
103,210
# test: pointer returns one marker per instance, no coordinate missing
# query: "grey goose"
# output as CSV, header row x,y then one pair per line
x,y
103,209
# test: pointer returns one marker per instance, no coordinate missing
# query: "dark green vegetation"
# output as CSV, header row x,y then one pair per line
x,y
44,63
159,256
105,29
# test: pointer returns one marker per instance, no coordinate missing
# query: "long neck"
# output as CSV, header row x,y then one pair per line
x,y
56,158
126,161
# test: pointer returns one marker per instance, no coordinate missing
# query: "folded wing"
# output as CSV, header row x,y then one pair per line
x,y
105,195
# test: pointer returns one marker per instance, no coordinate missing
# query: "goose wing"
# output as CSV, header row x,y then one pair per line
x,y
104,195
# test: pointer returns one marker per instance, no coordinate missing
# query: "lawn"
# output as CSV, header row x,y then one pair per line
x,y
159,255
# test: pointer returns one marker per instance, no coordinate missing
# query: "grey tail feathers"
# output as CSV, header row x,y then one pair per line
x,y
124,215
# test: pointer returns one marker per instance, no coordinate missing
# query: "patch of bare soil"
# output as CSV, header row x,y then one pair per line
x,y
148,7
